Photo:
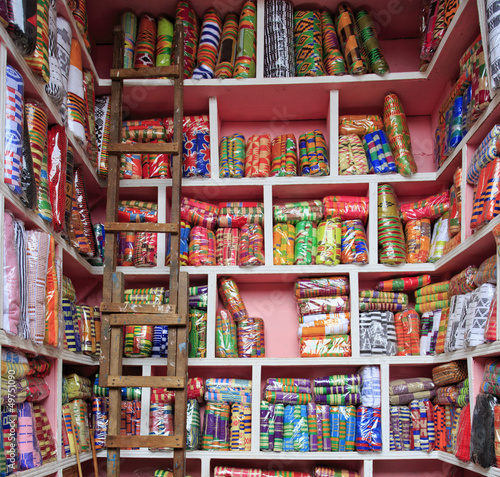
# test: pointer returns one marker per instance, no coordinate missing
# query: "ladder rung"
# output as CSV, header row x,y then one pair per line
x,y
158,442
144,148
171,71
141,227
133,308
171,319
170,382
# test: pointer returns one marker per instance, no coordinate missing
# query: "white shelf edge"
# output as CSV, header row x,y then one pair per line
x,y
52,467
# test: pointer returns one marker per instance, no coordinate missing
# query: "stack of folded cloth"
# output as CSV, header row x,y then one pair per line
x,y
381,300
377,333
432,297
407,325
403,391
324,318
429,330
227,423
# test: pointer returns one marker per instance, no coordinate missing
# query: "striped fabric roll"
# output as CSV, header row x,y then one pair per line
x,y
187,15
63,57
211,31
193,425
244,65
164,41
241,427
313,154
54,88
129,25
368,429
145,47
216,427
227,50
39,60
76,100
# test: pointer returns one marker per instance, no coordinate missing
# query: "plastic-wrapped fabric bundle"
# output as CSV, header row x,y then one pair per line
x,y
83,210
44,434
429,326
11,277
21,27
343,428
231,298
250,338
329,346
371,46
89,95
57,144
368,429
492,14
354,242
54,87
329,472
227,50
418,240
346,207
39,60
400,428
370,386
138,341
490,332
485,206
446,395
294,212
295,433
143,130
102,118
251,251
211,31
129,25
321,287
164,41
76,100
463,440
187,15
201,247
449,373
313,154
485,153
228,390
391,238
100,421
232,156
271,426
14,108
463,282
306,243
329,242
258,156
52,298
284,156
487,272
161,421
332,55
283,244
348,34
431,207
244,65
130,164
442,331
352,156
360,124
28,446
325,325
455,203
227,246
308,43
225,336
455,333
330,305
238,214
397,130
184,245
156,165
193,425
377,333
439,239
197,212
477,314
407,325
378,152
197,333
404,283
279,60
77,387
422,434
241,427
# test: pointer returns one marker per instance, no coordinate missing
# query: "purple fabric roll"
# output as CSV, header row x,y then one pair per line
x,y
349,399
275,386
294,381
278,425
313,437
336,389
339,380
324,415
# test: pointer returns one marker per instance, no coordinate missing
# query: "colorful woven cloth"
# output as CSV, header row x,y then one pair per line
x,y
76,99
39,60
407,325
250,338
226,345
324,325
54,88
313,154
332,55
145,47
193,425
231,299
211,31
244,65
410,385
197,333
306,243
196,212
227,246
463,282
486,272
368,429
271,426
429,208
348,34
370,386
164,41
378,152
321,287
440,238
377,333
463,440
129,25
329,472
227,50
11,276
329,346
258,156
352,156
360,124
28,446
232,156
371,46
308,43
400,423
284,155
422,434
485,206
294,212
251,252
329,242
484,155
399,135
346,207
283,244
418,240
187,15
279,61
102,118
404,283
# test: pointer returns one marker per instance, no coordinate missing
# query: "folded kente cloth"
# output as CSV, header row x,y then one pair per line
x,y
370,386
308,43
232,155
321,287
400,424
211,31
368,429
407,325
329,346
446,395
343,428
402,399
245,62
313,154
352,156
449,373
422,432
294,212
429,330
39,60
378,152
377,333
410,385
463,439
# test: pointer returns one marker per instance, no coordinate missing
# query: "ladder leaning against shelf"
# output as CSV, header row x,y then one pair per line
x,y
117,314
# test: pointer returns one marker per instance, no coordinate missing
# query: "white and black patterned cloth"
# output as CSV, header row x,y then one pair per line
x,y
477,314
377,333
64,36
54,87
493,20
279,57
20,238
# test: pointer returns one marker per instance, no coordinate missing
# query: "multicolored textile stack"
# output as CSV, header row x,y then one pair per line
x,y
324,317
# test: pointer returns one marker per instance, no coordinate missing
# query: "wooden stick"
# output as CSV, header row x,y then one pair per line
x,y
77,450
94,453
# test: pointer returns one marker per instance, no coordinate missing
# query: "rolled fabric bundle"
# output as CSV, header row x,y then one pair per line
x,y
321,286
440,427
211,31
370,386
184,245
37,389
404,283
241,427
378,152
227,246
44,434
343,428
14,108
228,45
455,203
129,25
306,243
456,122
288,398
372,296
126,242
385,306
323,327
312,427
284,155
332,56
39,60
477,314
295,430
138,341
156,165
329,242
340,315
371,46
308,43
20,26
226,345
197,333
418,240
244,65
486,195
487,272
463,440
251,252
352,156
57,145
347,399
368,429
446,395
313,154
316,305
145,248
83,210
329,472
390,230
354,242
102,119
329,346
433,297
346,207
196,212
431,306
284,384
161,421
77,387
187,15
407,325
89,96
164,41
63,51
443,327
143,130
232,156
279,60
28,446
410,385
360,124
440,238
160,342
76,100
250,337
377,333
294,212
399,135
485,153
54,86
431,207
490,332
348,34
14,252
463,282
231,299
283,244
422,431
324,427
52,298
407,398
258,156
193,425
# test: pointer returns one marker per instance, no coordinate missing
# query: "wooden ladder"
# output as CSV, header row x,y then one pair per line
x,y
115,313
